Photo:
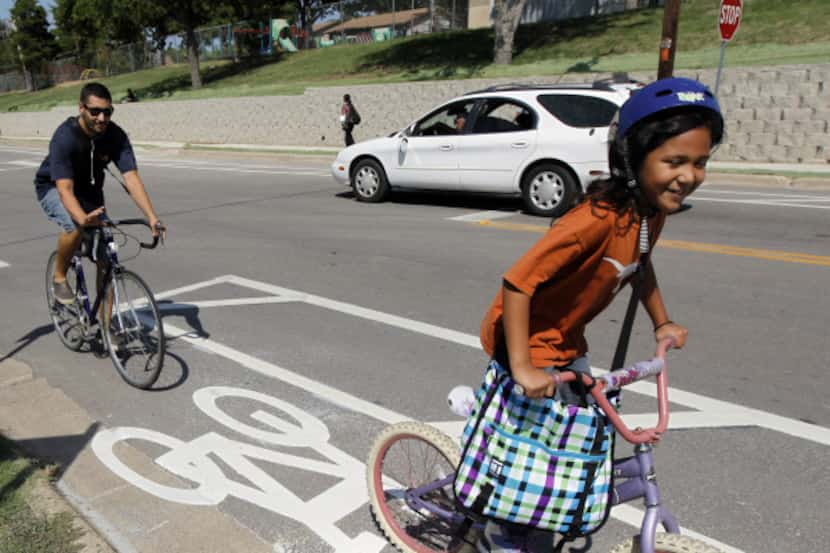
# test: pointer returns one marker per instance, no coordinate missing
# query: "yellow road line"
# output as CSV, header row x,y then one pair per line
x,y
771,255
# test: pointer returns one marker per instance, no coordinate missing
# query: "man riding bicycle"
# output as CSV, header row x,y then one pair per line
x,y
69,182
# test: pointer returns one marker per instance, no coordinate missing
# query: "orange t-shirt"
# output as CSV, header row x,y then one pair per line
x,y
571,274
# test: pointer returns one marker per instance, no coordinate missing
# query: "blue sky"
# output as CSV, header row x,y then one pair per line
x,y
6,6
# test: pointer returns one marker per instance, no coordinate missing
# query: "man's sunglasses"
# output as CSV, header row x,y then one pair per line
x,y
95,112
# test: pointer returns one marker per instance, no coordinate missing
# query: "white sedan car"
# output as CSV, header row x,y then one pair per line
x,y
543,143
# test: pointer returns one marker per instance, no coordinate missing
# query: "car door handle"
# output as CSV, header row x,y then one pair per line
x,y
521,144
445,147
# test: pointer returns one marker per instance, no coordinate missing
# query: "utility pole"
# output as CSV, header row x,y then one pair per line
x,y
668,40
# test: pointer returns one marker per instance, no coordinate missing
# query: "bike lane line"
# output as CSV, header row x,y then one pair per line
x,y
716,409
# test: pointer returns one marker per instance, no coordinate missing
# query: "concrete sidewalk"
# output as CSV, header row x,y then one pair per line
x,y
114,515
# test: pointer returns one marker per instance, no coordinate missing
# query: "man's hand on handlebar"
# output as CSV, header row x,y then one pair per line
x,y
158,228
93,217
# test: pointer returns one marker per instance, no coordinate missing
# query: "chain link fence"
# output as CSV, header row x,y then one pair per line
x,y
339,22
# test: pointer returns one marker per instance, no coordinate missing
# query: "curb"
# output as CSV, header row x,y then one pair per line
x,y
722,173
117,516
765,180
50,500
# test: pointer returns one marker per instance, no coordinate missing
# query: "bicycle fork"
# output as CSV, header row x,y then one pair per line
x,y
641,475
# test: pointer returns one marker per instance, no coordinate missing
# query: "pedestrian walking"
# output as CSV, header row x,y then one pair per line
x,y
349,117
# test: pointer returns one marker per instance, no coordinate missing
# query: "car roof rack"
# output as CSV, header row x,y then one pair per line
x,y
604,84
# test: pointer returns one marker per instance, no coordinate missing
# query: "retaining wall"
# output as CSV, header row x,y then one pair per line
x,y
776,114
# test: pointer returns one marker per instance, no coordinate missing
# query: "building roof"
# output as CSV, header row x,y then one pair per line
x,y
403,17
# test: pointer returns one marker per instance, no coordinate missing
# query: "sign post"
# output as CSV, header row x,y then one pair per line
x,y
729,19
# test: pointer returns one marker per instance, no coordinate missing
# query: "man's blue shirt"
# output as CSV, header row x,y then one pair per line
x,y
74,155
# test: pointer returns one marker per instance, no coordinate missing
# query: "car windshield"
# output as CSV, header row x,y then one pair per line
x,y
448,120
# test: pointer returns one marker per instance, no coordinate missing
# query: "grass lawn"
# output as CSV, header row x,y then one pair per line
x,y
22,529
772,32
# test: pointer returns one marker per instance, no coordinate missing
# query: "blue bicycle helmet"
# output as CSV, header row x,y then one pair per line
x,y
665,94
675,94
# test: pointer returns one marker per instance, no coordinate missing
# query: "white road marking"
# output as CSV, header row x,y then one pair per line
x,y
178,306
3,264
484,216
335,396
240,169
23,163
778,203
348,401
8,150
785,195
634,517
710,412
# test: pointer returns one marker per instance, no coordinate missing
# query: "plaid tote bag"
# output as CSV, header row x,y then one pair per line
x,y
535,462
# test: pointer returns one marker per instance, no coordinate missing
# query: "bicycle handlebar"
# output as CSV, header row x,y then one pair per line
x,y
138,221
623,377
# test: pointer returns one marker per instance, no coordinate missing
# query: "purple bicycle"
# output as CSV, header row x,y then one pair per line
x,y
411,468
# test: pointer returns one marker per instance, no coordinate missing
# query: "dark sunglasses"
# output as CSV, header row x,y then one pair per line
x,y
95,112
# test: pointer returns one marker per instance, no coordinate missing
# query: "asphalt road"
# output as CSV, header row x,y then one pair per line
x,y
302,302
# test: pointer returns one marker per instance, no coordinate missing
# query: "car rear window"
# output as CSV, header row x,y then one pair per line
x,y
579,111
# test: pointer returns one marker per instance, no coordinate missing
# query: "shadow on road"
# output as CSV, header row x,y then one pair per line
x,y
60,450
27,339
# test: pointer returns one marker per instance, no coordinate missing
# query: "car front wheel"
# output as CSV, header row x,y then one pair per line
x,y
369,181
548,190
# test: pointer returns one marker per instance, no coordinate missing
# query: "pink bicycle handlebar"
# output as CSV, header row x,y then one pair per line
x,y
622,377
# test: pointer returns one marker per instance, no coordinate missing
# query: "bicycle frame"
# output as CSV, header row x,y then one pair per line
x,y
113,267
90,315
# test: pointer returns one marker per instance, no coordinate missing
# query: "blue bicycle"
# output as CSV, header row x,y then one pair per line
x,y
124,315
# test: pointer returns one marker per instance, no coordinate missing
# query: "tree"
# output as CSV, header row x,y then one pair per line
x,y
309,11
506,17
70,38
8,53
34,43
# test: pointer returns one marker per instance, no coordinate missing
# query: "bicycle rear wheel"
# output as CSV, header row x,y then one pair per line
x,y
410,471
133,331
67,319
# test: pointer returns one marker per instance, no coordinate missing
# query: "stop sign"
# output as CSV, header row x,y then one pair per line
x,y
730,18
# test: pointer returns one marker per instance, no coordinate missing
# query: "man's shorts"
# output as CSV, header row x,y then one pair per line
x,y
50,201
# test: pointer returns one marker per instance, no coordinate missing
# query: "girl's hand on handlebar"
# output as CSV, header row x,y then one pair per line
x,y
653,435
672,331
535,382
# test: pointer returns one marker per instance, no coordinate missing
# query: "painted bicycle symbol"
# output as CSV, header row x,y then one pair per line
x,y
192,461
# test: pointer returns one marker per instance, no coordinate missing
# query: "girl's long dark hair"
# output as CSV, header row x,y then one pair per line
x,y
650,133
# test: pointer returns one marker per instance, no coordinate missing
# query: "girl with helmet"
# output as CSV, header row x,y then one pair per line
x,y
659,144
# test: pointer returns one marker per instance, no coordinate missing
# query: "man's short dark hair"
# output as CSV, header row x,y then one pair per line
x,y
95,89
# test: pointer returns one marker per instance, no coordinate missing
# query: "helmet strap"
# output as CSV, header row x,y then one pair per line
x,y
630,177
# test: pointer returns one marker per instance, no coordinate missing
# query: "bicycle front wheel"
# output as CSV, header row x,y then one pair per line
x,y
410,472
667,543
69,325
133,331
